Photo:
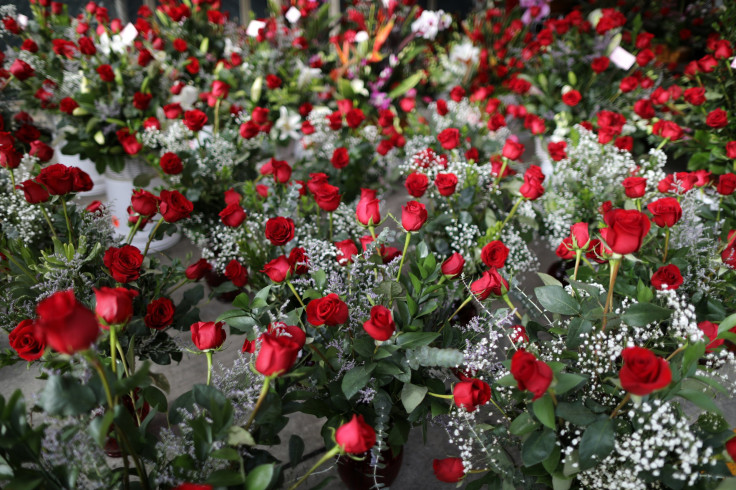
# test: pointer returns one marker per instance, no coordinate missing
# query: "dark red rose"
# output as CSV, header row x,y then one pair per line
x,y
532,187
174,206
368,210
530,373
626,230
159,313
717,119
380,326
354,118
249,130
41,150
667,277
695,95
449,470
512,150
124,263
277,354
599,65
564,249
278,270
340,158
57,178
557,151
207,335
635,187
232,197
144,203
413,216
355,437
172,111
624,143
665,211
95,207
67,105
453,266
237,274
572,98
21,70
667,129
280,170
449,138
192,65
86,46
114,305
346,249
471,393
233,215
446,183
726,184
678,183
644,109
279,230
416,184
25,340
710,332
29,45
195,119
259,115
128,141
327,197
273,82
491,282
457,93
141,100
106,74
197,270
298,260
643,372
81,181
171,163
33,192
494,254
66,324
330,310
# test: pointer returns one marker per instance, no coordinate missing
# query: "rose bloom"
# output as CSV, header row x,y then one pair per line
x,y
512,150
57,178
195,120
635,187
530,373
33,192
114,305
626,230
453,266
233,215
471,394
413,216
532,187
416,184
368,209
26,342
208,335
346,249
340,158
665,211
667,277
449,138
599,65
695,96
726,184
667,129
171,163
355,437
731,149
124,263
450,470
644,109
144,203
278,270
279,230
174,206
494,254
327,197
710,331
330,310
491,282
572,98
380,325
557,151
237,274
717,119
66,324
446,184
197,270
643,372
159,313
564,249
277,354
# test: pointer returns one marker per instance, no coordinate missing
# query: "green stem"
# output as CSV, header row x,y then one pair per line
x,y
208,355
25,271
511,305
133,230
578,256
48,220
620,405
217,115
372,231
113,348
293,290
462,305
328,455
509,216
403,254
177,286
664,142
437,395
261,397
500,410
68,223
153,234
666,244
615,264
12,180
500,173
718,215
330,214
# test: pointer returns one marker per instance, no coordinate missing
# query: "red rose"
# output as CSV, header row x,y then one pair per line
x,y
530,373
86,46
57,179
644,57
726,184
707,63
272,81
21,70
599,65
717,119
626,230
449,138
702,176
416,184
557,151
368,210
172,111
65,324
384,147
564,249
174,206
10,158
197,270
280,170
446,184
665,211
207,335
340,158
471,394
26,342
728,256
678,183
413,216
195,119
298,260
280,230
346,249
695,95
41,150
644,109
33,192
94,207
635,187
278,269
237,274
105,72
381,324
512,150
532,187
354,118
220,89
233,215
327,197
494,254
141,100
249,130
355,437
491,282
330,310
628,84
29,45
580,236
144,203
192,65
259,115
457,93
731,448
159,313
667,277
114,305
171,163
710,331
643,372
534,123
441,107
277,354
448,470
453,266
128,141
179,45
496,121
624,143
572,98
67,105
667,129
124,263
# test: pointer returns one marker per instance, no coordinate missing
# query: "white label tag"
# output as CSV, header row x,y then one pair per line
x,y
129,34
293,15
254,27
622,58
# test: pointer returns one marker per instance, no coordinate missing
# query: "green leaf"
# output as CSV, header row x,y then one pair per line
x,y
412,395
507,380
642,314
538,446
597,442
691,355
575,413
155,398
567,381
356,379
242,301
406,85
727,324
99,427
238,436
643,292
416,339
549,280
544,410
523,424
260,477
225,478
556,300
296,450
64,395
578,327
701,399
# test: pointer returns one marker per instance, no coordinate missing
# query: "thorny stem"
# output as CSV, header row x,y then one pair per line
x,y
321,355
293,290
615,264
177,286
403,254
500,173
511,305
113,348
462,305
261,398
153,234
328,455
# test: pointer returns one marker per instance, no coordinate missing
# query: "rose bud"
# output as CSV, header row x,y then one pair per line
x,y
144,203
565,249
340,158
249,130
232,197
572,98
33,192
114,305
106,74
171,163
197,270
41,150
124,263
667,277
233,215
449,138
279,230
277,354
95,207
21,70
368,210
471,394
731,448
237,274
330,310
448,470
626,230
494,254
665,211
710,331
518,334
643,372
416,184
532,187
530,373
726,184
512,150
280,170
635,187
731,149
702,177
453,266
26,342
159,313
446,184
174,206
667,129
489,283
580,236
298,260
695,95
557,151
195,120
220,89
278,270
81,181
346,249
381,324
66,324
172,111
413,216
207,335
327,197
598,252
355,437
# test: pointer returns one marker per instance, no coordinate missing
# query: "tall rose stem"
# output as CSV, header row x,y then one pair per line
x,y
462,305
403,254
718,215
177,286
510,215
68,223
208,355
113,348
578,255
12,181
133,230
293,290
330,214
664,142
615,264
217,115
500,173
153,234
666,244
51,226
511,305
328,455
261,397
620,405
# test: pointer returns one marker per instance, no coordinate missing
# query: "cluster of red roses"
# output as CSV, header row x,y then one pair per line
x,y
172,205
55,180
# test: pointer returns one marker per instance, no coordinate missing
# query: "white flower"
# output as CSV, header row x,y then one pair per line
x,y
187,97
254,27
358,87
306,73
287,124
464,53
430,23
293,15
361,37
